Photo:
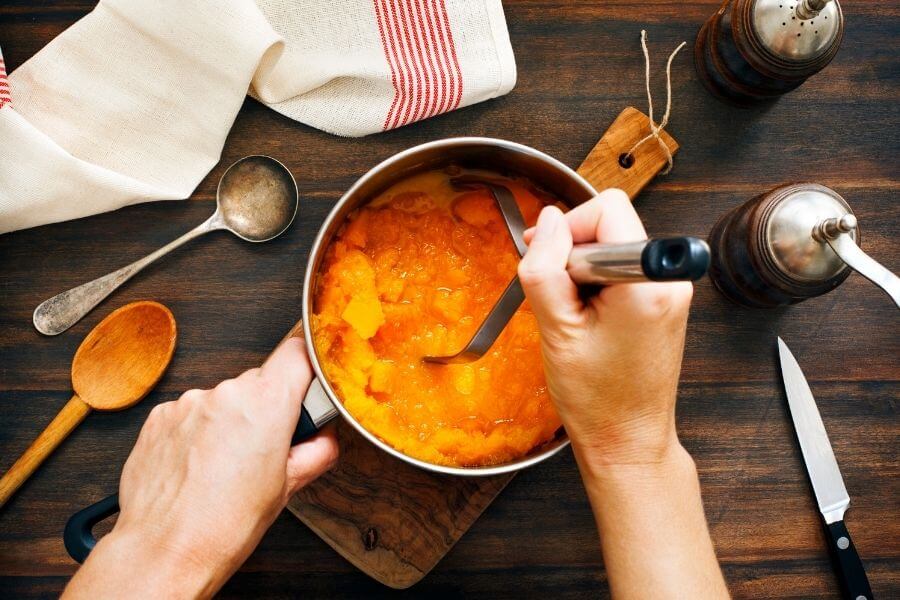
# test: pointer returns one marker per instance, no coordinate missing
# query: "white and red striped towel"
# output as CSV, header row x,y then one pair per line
x,y
133,102
425,51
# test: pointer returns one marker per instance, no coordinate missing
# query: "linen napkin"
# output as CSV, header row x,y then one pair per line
x,y
133,102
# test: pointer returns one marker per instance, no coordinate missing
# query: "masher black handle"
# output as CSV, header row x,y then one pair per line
x,y
668,259
675,259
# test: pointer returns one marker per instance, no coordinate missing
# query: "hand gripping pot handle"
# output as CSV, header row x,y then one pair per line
x,y
78,535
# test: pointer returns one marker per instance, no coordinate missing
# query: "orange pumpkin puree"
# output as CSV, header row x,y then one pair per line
x,y
413,273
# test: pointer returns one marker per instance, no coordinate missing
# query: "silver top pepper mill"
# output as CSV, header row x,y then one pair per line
x,y
797,30
755,50
792,243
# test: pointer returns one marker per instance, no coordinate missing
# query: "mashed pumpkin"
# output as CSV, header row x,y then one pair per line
x,y
413,273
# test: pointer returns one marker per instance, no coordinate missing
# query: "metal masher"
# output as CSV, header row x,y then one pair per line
x,y
669,259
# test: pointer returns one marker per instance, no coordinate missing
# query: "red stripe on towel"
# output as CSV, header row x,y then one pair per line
x,y
389,54
5,97
417,27
446,67
459,77
434,61
451,74
390,30
417,40
411,50
408,90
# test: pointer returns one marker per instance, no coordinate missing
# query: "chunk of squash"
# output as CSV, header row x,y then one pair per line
x,y
364,314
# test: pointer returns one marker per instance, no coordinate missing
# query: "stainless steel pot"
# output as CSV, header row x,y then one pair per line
x,y
322,403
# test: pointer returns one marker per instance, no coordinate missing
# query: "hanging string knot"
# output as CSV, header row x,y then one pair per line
x,y
654,128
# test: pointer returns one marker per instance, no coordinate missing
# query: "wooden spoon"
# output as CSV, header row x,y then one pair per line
x,y
117,364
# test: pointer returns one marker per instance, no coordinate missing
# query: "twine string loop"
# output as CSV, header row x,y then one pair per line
x,y
654,128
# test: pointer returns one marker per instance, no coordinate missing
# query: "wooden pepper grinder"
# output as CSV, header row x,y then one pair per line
x,y
792,243
755,50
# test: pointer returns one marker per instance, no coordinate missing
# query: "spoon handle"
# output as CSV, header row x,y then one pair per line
x,y
61,426
60,312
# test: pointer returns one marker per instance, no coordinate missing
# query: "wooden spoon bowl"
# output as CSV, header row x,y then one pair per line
x,y
124,357
116,365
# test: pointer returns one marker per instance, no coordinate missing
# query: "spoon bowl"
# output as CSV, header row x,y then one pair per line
x,y
257,199
124,356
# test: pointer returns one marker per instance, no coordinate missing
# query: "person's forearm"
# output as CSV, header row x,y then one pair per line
x,y
653,530
131,566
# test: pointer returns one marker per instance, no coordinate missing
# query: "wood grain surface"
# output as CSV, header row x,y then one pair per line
x,y
579,64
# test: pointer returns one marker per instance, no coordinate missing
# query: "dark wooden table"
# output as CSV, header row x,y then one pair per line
x,y
579,64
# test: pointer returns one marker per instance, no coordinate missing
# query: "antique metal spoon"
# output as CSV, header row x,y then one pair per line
x,y
256,200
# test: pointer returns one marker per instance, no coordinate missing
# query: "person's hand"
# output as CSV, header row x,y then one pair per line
x,y
210,473
612,360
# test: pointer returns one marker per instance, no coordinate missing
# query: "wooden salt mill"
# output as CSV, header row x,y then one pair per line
x,y
755,50
792,243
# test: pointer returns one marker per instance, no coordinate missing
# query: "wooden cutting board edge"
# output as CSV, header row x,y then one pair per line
x,y
382,564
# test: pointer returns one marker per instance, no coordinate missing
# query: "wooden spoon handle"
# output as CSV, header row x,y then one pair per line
x,y
68,419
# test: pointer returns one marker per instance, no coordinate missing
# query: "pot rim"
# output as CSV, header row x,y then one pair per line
x,y
319,246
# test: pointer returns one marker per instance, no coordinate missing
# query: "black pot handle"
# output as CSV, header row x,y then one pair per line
x,y
78,535
306,428
317,410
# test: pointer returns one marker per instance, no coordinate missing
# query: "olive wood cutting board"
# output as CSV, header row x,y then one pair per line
x,y
394,521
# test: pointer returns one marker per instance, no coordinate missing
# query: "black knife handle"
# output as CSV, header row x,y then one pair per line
x,y
850,571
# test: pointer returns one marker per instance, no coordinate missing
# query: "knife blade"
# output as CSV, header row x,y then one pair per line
x,y
825,476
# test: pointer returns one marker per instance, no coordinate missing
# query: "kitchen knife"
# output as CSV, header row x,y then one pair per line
x,y
824,475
